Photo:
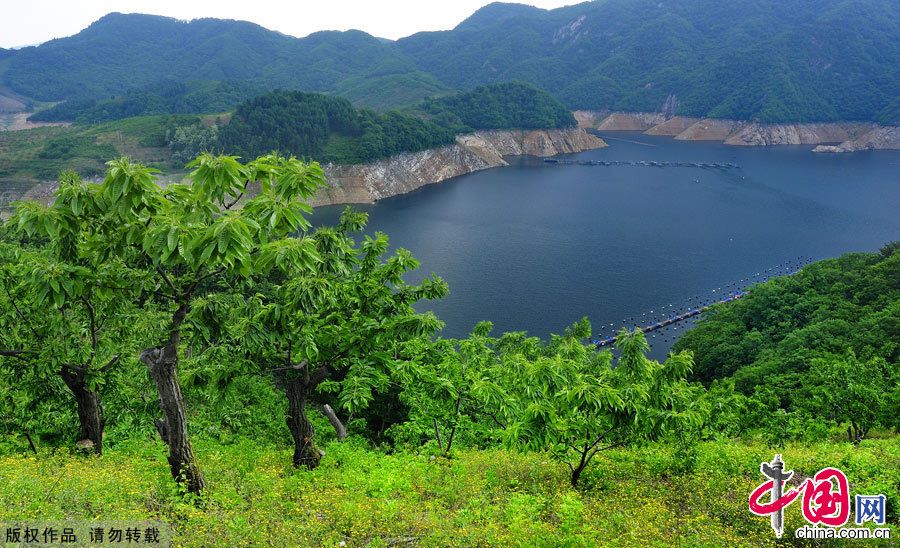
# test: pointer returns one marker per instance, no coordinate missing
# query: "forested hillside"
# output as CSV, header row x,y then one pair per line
x,y
168,97
321,127
499,106
769,60
122,52
825,341
328,129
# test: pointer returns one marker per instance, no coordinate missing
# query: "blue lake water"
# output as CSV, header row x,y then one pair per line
x,y
535,246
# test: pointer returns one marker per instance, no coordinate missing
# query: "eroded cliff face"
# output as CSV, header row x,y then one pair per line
x,y
630,121
708,130
673,126
851,135
406,172
795,134
876,138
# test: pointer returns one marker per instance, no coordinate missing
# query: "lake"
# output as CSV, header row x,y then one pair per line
x,y
535,246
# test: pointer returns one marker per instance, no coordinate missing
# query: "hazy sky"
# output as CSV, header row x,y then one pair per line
x,y
28,22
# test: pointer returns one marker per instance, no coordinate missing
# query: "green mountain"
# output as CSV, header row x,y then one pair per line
x,y
119,53
330,129
840,309
769,60
772,60
168,97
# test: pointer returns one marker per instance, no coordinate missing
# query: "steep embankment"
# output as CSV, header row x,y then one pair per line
x,y
874,139
851,135
471,152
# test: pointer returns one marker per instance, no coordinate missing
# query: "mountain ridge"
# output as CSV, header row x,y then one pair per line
x,y
766,61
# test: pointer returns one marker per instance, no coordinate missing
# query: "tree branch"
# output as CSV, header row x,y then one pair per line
x,y
318,375
339,427
294,366
437,434
12,301
113,361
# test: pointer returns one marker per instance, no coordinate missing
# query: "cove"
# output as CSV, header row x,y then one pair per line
x,y
535,246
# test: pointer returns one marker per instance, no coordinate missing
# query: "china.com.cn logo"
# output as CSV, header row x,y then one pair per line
x,y
826,499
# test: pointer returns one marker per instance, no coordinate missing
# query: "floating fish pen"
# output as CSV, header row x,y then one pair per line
x,y
608,163
736,290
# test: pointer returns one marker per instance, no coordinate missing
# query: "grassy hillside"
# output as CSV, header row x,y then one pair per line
x,y
42,153
170,97
364,497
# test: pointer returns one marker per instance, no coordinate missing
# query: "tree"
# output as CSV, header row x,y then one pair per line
x,y
335,328
562,396
182,242
852,391
445,387
63,310
573,403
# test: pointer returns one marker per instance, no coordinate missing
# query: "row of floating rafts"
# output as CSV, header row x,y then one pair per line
x,y
666,317
567,161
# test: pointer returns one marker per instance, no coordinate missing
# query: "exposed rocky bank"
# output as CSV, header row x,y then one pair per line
x,y
831,136
409,171
366,183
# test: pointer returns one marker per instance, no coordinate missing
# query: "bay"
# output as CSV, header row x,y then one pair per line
x,y
535,246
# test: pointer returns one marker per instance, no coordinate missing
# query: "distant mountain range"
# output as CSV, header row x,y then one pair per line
x,y
768,60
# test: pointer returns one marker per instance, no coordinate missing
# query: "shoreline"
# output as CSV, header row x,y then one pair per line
x,y
409,171
828,137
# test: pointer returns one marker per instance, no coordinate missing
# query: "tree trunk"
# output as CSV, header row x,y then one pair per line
x,y
576,473
305,451
339,427
90,411
163,365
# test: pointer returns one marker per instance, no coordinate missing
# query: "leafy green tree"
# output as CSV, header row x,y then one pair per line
x,y
66,311
187,142
182,242
562,396
334,329
575,404
445,385
853,391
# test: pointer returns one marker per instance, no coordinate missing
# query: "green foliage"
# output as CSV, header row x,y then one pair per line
x,y
167,97
773,61
511,105
187,142
562,397
326,128
41,154
822,344
489,497
138,58
770,61
853,392
68,147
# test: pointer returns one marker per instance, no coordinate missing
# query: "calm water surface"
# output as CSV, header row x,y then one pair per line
x,y
536,246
